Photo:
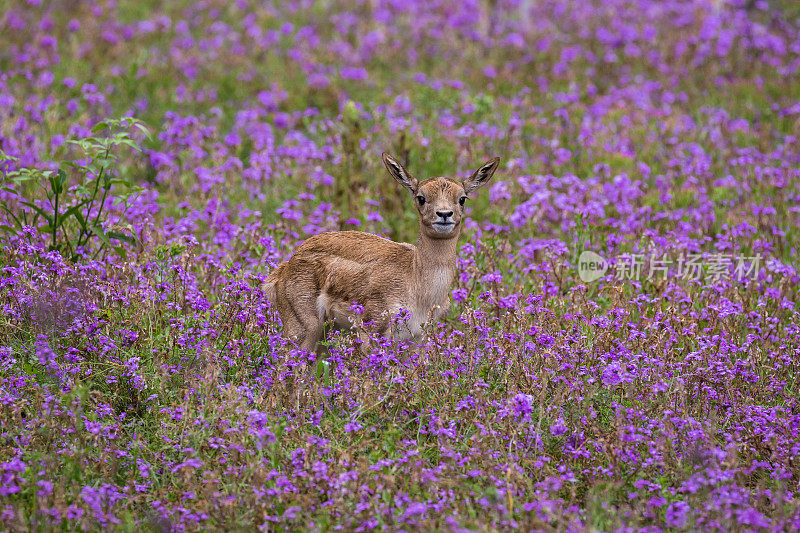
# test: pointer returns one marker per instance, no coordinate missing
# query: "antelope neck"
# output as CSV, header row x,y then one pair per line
x,y
432,256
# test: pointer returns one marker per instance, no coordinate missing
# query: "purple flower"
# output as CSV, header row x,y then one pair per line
x,y
676,514
558,427
353,426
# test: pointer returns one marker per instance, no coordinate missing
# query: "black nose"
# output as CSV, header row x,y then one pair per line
x,y
444,214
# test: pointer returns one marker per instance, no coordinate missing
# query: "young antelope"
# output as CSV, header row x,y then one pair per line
x,y
330,271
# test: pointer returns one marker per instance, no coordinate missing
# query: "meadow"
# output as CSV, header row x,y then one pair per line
x,y
159,159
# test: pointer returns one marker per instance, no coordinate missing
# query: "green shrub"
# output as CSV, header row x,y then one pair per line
x,y
71,204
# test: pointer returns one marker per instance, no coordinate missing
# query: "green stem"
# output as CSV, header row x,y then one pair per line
x,y
85,232
100,209
55,221
102,199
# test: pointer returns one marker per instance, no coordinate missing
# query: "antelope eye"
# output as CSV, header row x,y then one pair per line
x,y
462,200
421,200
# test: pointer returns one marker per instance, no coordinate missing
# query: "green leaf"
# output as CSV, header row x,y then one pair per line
x,y
57,181
141,127
19,178
121,237
38,210
104,237
62,178
323,371
123,197
81,168
5,157
79,217
131,143
100,234
73,211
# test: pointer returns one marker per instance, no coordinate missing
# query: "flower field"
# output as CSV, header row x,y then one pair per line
x,y
622,351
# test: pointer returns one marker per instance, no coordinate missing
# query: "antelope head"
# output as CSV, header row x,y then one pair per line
x,y
440,201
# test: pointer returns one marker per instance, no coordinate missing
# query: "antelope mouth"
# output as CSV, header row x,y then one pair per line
x,y
443,227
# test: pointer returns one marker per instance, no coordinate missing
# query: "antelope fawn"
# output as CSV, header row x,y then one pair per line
x,y
330,271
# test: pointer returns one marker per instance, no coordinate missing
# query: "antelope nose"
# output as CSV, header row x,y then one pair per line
x,y
444,214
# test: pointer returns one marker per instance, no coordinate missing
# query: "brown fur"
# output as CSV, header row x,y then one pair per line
x,y
331,271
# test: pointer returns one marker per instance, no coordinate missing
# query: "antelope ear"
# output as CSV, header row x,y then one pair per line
x,y
481,176
399,173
